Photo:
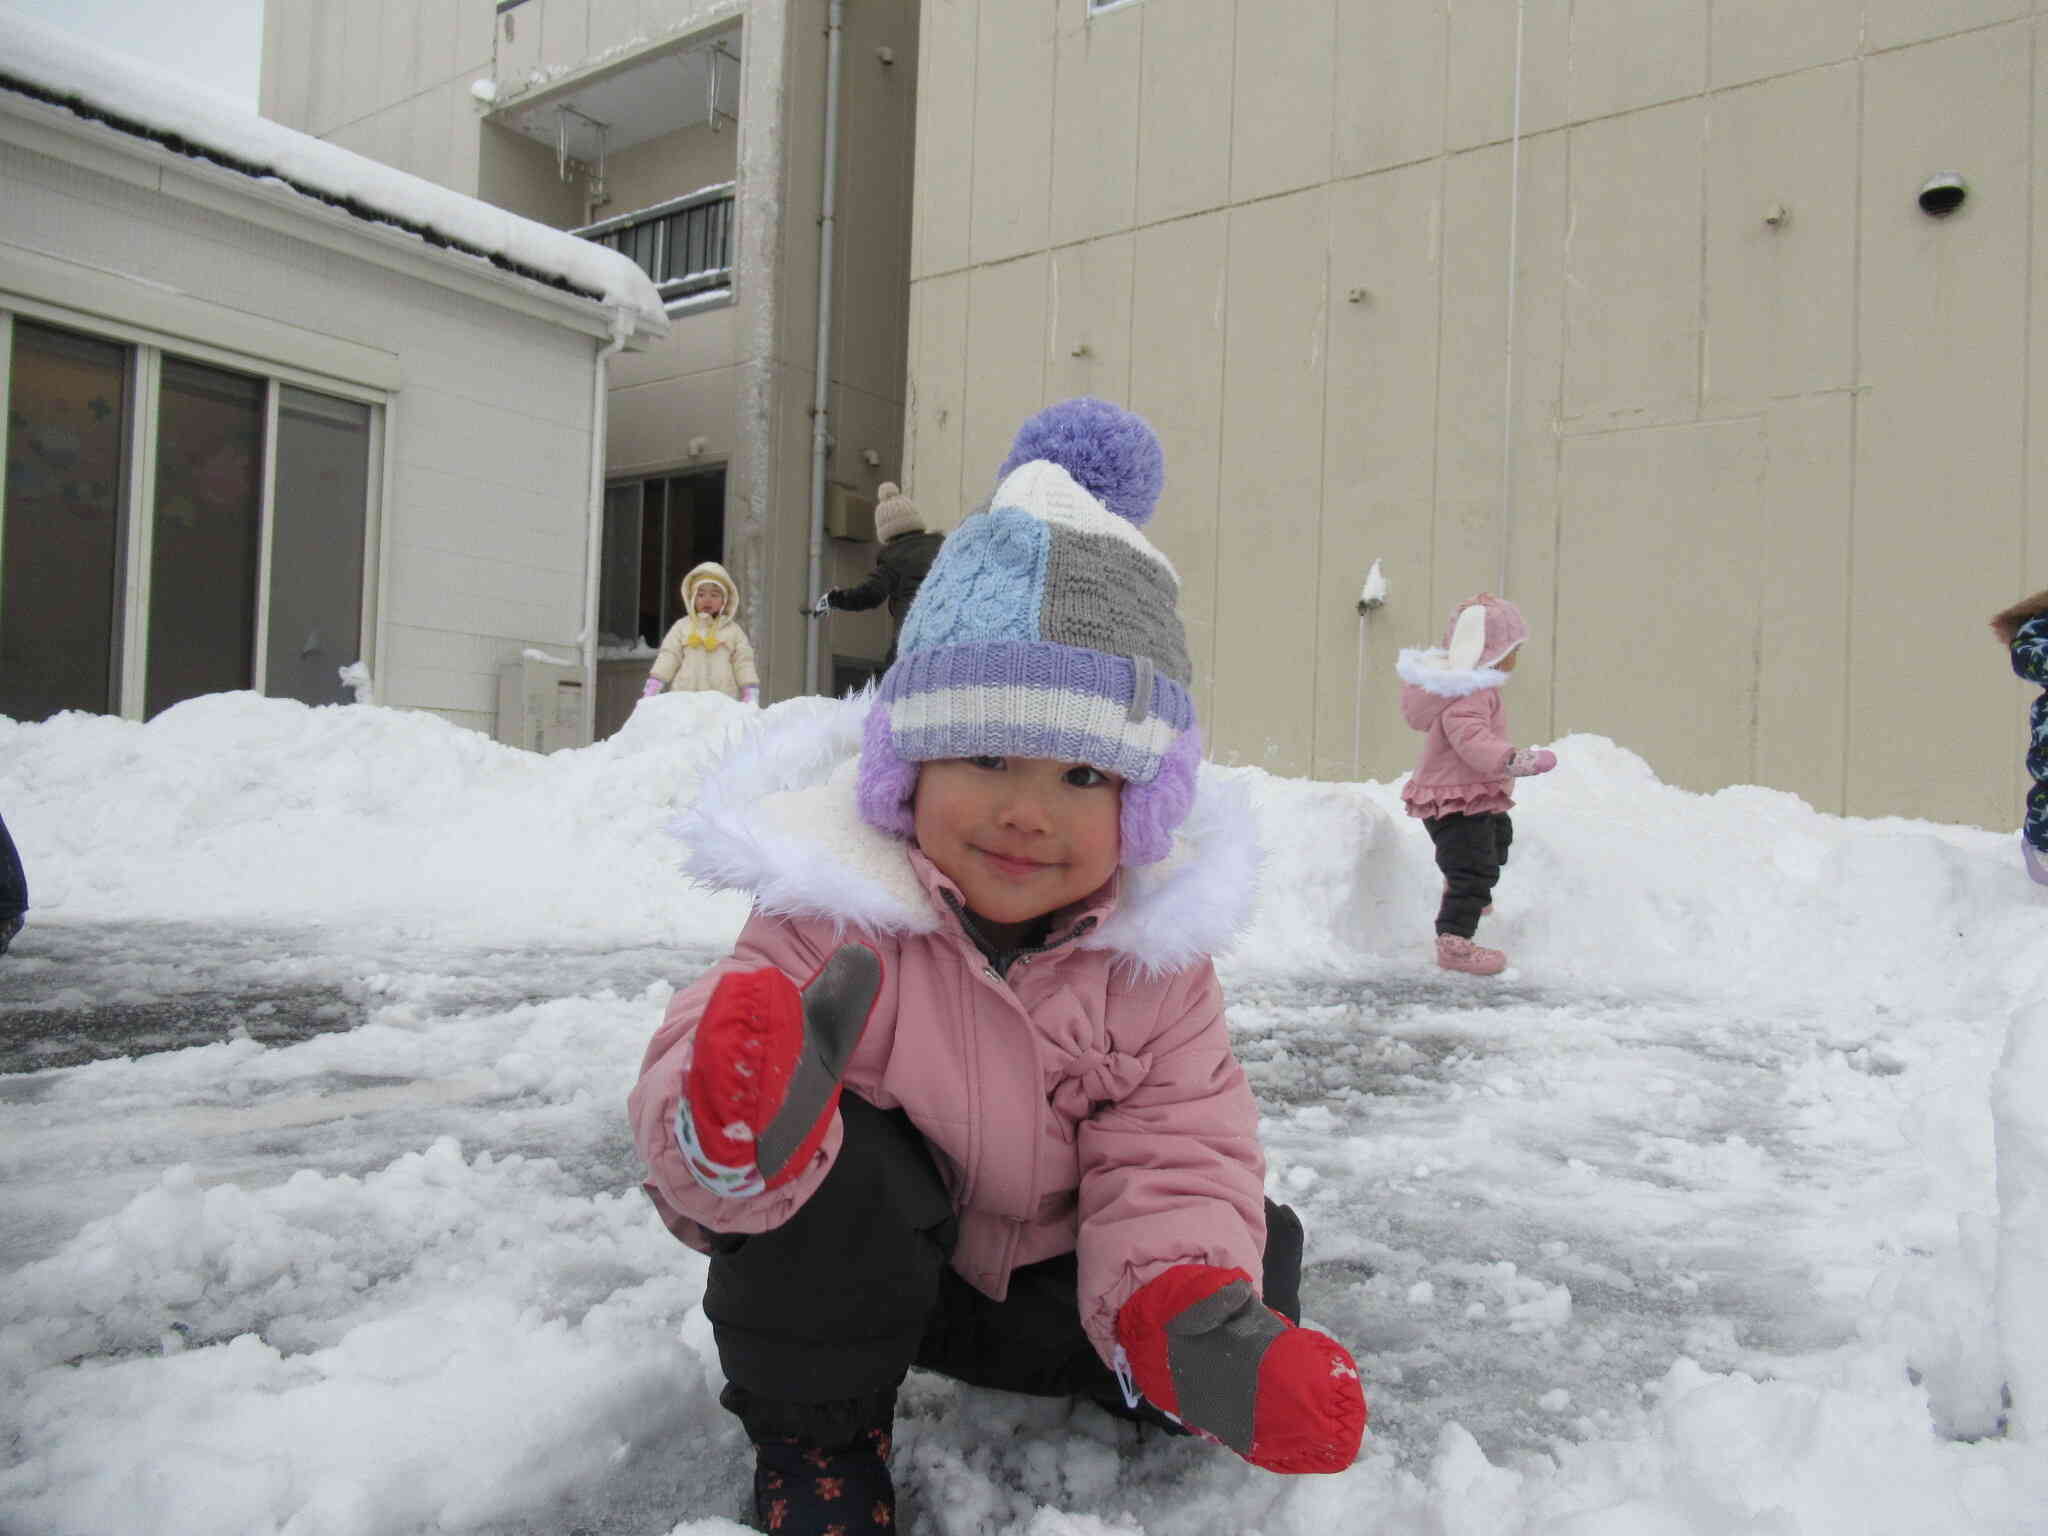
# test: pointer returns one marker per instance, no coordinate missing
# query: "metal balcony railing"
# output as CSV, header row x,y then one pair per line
x,y
685,244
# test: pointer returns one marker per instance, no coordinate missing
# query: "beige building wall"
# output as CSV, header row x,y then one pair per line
x,y
733,385
1770,438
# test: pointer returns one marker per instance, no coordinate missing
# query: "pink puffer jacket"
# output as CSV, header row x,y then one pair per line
x,y
1089,1102
1465,746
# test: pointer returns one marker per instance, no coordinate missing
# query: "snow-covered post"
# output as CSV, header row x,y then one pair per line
x,y
2019,1111
1370,596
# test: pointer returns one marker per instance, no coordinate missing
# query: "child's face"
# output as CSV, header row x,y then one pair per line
x,y
711,599
1020,836
1507,662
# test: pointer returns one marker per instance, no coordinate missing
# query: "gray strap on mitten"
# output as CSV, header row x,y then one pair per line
x,y
1214,1349
836,1005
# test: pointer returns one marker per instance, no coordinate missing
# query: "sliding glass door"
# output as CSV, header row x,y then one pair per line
x,y
172,527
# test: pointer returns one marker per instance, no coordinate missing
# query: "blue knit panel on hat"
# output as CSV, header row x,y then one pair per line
x,y
988,583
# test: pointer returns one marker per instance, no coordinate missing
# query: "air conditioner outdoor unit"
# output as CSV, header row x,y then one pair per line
x,y
848,514
540,703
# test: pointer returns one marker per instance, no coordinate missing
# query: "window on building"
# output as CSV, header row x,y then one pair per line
x,y
655,530
63,523
685,246
235,561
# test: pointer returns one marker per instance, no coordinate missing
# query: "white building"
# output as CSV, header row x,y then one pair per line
x,y
274,409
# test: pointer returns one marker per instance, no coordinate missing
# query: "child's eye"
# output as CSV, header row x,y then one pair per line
x,y
991,763
1081,776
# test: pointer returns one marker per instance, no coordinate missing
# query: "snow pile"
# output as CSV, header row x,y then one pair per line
x,y
1724,1211
53,60
263,810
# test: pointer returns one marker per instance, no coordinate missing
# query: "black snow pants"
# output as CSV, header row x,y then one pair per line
x,y
1470,851
13,883
818,1321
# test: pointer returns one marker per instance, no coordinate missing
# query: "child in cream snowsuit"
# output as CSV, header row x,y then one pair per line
x,y
706,649
1463,787
2024,629
984,900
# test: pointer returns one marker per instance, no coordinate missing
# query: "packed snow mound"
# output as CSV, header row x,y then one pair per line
x,y
256,808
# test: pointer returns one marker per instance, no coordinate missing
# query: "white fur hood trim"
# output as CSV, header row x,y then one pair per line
x,y
777,819
1432,672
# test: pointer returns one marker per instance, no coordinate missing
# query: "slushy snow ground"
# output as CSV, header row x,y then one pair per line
x,y
1724,1211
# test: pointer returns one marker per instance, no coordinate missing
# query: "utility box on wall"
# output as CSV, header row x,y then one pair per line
x,y
540,703
849,514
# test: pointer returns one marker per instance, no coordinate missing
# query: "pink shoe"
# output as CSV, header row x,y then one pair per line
x,y
1456,954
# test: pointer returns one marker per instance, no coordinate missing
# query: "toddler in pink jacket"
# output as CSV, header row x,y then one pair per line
x,y
1463,787
963,1096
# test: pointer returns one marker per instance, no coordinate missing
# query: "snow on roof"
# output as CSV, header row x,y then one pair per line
x,y
40,61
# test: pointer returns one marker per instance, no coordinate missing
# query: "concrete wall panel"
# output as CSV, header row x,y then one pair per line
x,y
1180,274
649,426
1803,633
1480,69
1005,367
1088,321
1628,54
1379,459
1389,98
1780,319
1892,23
1465,552
1941,462
1095,127
937,404
1271,481
1012,131
947,71
1632,307
1284,97
1658,602
1184,111
1753,39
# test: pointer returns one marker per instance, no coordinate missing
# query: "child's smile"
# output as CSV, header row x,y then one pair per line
x,y
1020,836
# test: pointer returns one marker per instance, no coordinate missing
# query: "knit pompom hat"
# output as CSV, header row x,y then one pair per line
x,y
895,513
1483,631
1048,628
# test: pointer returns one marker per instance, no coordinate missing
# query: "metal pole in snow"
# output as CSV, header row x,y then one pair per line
x,y
1370,596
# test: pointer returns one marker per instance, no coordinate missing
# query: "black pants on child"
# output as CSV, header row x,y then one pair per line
x,y
1470,851
818,1321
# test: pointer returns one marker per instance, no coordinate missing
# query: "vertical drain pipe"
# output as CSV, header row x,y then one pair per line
x,y
593,549
821,434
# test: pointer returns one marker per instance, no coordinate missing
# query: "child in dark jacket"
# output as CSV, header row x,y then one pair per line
x,y
2023,628
963,1095
906,555
1463,787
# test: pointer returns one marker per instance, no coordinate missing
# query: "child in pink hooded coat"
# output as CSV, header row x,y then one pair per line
x,y
963,1095
1463,787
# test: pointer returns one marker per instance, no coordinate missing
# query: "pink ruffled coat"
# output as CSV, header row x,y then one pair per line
x,y
1089,1102
1465,745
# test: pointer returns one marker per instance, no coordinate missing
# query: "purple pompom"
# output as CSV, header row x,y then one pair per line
x,y
1112,453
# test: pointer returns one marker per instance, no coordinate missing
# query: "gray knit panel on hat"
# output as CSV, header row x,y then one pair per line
x,y
1103,595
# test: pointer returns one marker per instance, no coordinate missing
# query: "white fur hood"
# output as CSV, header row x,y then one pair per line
x,y
777,819
1433,671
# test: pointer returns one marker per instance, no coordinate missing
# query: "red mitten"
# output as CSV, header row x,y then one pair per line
x,y
1201,1345
764,1074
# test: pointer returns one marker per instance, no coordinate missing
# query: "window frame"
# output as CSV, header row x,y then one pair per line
x,y
149,348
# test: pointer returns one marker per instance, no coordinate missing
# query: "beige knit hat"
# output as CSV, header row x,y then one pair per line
x,y
895,513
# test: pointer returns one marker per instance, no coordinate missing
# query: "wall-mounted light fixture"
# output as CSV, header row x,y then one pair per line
x,y
1941,195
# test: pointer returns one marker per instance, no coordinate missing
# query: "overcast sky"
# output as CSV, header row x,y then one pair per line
x,y
212,43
